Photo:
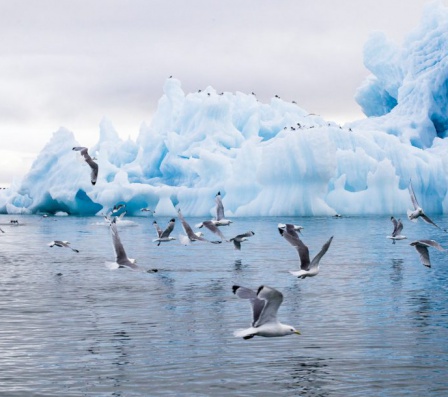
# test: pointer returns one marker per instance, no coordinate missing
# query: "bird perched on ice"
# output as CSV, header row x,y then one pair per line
x,y
422,248
307,268
265,303
164,236
93,166
220,218
237,240
396,233
418,211
64,244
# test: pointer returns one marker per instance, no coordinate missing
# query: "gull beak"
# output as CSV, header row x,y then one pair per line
x,y
297,332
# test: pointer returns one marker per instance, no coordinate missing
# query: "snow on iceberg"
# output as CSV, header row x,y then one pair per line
x,y
268,159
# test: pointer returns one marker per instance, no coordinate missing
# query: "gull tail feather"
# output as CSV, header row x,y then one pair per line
x,y
244,333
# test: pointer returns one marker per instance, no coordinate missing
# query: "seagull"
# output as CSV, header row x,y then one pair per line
x,y
214,229
307,268
220,218
165,235
90,162
191,236
265,303
398,227
422,248
297,228
117,207
239,238
122,259
418,211
147,210
59,243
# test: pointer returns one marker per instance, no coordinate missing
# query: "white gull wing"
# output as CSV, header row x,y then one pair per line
x,y
265,303
121,257
214,229
188,230
321,253
166,233
292,237
158,229
413,198
219,207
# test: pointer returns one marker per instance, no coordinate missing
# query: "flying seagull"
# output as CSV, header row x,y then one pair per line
x,y
422,248
191,236
307,268
265,303
297,228
164,236
59,243
213,228
398,227
237,240
220,218
418,211
121,258
90,162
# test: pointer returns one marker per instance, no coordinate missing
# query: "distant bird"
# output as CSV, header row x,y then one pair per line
x,y
1,230
396,233
14,222
418,211
147,210
237,240
422,248
307,268
297,228
265,303
117,207
164,236
59,243
191,236
93,166
220,218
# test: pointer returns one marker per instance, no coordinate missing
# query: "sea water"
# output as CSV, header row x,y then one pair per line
x,y
373,322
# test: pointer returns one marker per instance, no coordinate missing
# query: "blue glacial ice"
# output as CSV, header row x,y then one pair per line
x,y
268,159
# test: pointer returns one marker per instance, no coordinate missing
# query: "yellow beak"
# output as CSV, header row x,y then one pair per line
x,y
297,332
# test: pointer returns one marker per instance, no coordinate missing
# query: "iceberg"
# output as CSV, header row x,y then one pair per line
x,y
268,159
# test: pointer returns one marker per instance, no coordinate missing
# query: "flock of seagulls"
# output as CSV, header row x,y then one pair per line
x,y
266,301
413,215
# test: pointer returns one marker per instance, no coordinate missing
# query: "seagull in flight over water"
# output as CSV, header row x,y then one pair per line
x,y
265,303
307,268
220,218
398,227
164,236
64,244
122,260
93,166
422,248
418,211
191,236
237,240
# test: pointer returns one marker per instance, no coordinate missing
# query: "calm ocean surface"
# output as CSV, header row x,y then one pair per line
x,y
374,322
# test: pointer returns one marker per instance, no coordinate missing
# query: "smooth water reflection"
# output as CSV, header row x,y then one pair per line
x,y
374,321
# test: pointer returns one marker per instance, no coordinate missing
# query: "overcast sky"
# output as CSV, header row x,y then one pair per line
x,y
71,63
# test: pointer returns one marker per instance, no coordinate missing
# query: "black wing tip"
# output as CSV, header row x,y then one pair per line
x,y
260,288
172,220
235,288
219,193
281,231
